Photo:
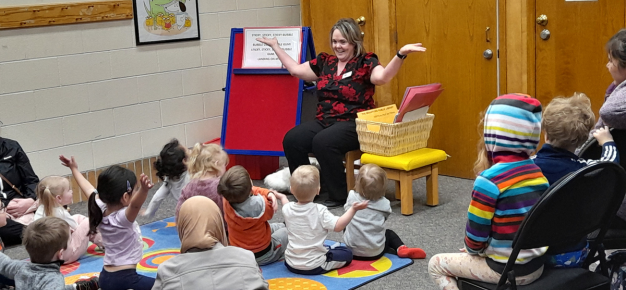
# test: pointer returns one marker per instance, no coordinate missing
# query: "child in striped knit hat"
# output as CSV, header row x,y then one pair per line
x,y
507,185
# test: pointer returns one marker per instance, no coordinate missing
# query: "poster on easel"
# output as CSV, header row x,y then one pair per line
x,y
259,55
261,104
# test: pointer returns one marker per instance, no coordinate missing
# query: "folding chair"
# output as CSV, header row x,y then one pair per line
x,y
575,206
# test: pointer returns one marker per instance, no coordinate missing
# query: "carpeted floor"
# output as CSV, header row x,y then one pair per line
x,y
437,229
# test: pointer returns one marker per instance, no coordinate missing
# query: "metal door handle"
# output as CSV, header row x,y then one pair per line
x,y
361,20
488,54
542,20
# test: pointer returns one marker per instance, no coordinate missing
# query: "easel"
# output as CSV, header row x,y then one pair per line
x,y
260,106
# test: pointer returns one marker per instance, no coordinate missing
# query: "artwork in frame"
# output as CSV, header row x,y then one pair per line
x,y
166,20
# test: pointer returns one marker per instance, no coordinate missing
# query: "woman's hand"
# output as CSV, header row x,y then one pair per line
x,y
70,163
18,206
271,42
410,48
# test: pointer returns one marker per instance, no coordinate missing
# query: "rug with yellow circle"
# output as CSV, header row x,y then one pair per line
x,y
161,243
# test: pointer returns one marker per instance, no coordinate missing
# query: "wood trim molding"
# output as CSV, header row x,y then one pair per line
x,y
519,44
502,48
64,13
305,12
138,167
385,46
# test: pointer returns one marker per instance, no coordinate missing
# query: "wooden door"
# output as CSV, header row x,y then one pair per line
x,y
454,34
321,15
573,59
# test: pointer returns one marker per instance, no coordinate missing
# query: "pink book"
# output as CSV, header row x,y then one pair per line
x,y
418,97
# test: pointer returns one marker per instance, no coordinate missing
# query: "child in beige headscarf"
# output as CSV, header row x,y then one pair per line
x,y
206,259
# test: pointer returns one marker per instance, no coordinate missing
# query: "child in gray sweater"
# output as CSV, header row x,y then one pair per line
x,y
45,240
366,235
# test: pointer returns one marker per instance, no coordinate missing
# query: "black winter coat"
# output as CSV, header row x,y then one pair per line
x,y
15,166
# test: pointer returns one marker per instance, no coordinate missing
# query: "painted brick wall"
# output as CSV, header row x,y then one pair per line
x,y
87,90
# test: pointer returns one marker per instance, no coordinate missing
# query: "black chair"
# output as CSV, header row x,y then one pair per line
x,y
615,237
578,204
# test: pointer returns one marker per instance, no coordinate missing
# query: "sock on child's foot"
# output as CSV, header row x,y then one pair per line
x,y
413,253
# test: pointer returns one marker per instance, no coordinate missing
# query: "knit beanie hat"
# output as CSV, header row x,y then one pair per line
x,y
512,127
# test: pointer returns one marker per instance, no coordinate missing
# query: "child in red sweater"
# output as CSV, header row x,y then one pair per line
x,y
247,210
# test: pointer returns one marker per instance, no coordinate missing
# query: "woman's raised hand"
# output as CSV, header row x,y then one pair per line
x,y
413,47
271,42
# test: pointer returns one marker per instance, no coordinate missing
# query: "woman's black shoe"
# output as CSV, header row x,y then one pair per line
x,y
333,203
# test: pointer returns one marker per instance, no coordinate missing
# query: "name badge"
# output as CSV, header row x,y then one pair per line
x,y
346,75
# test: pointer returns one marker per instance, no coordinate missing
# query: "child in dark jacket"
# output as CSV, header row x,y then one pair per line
x,y
566,124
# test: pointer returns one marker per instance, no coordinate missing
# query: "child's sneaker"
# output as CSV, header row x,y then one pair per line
x,y
86,283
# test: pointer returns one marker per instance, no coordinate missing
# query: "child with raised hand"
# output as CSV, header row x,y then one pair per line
x,y
171,168
53,192
308,225
45,240
113,210
366,235
247,210
207,163
507,186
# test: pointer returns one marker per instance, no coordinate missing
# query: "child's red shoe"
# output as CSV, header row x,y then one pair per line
x,y
413,253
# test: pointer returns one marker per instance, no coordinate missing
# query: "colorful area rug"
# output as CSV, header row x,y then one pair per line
x,y
161,243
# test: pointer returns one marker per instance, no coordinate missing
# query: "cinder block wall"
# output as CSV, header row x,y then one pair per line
x,y
88,90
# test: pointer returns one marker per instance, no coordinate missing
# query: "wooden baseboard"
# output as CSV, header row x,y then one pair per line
x,y
138,167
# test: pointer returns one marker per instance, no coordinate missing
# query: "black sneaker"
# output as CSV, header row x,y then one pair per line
x,y
92,284
333,203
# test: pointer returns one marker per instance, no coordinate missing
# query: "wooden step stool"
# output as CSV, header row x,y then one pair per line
x,y
404,168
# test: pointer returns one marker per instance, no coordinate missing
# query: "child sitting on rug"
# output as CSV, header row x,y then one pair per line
x,y
507,186
53,192
566,123
113,210
247,210
171,168
366,235
308,225
207,162
45,241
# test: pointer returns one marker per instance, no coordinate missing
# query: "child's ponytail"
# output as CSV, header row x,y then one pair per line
x,y
47,189
95,214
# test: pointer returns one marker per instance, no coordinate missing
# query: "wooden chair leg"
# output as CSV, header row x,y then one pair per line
x,y
398,193
406,192
432,186
349,172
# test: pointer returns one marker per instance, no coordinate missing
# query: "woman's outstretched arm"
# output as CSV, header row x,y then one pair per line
x,y
302,71
382,75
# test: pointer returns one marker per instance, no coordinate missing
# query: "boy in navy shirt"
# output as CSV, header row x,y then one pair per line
x,y
566,123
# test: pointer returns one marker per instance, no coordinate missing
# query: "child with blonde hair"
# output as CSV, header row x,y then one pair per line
x,y
247,210
113,210
54,192
506,188
566,124
171,167
366,235
308,225
207,163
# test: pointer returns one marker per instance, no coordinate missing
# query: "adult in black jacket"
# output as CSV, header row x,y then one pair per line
x,y
15,167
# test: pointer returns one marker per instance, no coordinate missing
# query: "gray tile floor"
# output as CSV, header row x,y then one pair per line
x,y
435,229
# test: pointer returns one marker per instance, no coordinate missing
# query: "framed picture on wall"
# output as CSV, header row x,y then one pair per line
x,y
159,21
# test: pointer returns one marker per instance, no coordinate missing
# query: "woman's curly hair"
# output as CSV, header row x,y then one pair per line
x,y
171,161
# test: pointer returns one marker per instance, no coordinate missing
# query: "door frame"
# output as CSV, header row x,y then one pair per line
x,y
520,42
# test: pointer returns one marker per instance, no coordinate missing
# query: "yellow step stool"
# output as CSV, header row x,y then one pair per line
x,y
404,168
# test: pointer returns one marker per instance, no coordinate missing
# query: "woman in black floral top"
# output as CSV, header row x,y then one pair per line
x,y
345,86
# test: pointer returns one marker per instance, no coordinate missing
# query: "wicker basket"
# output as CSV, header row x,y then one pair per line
x,y
394,139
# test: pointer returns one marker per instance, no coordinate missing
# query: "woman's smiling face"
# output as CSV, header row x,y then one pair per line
x,y
344,50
